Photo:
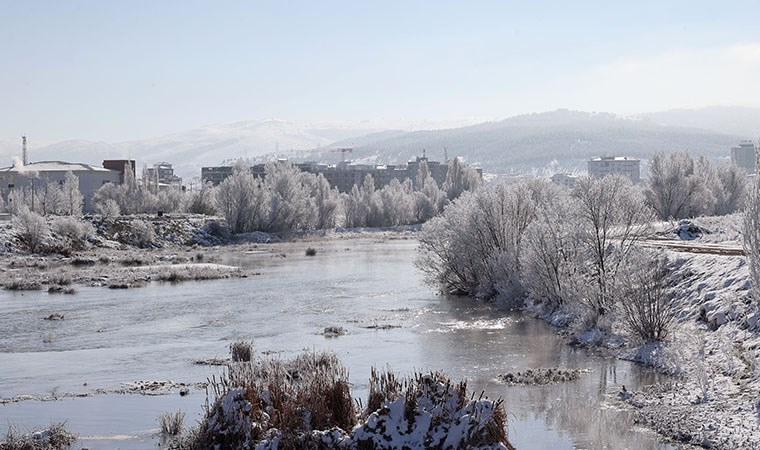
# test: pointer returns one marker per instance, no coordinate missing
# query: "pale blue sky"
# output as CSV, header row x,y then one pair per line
x,y
120,70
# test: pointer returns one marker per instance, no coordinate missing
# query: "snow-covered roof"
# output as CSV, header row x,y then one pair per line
x,y
54,166
615,158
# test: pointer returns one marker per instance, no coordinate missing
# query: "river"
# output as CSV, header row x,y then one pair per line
x,y
369,286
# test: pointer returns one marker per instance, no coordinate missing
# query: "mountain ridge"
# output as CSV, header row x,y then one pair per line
x,y
563,138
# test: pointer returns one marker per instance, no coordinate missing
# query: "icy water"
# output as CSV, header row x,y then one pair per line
x,y
112,337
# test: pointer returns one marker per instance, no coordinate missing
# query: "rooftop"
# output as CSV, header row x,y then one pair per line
x,y
54,166
615,158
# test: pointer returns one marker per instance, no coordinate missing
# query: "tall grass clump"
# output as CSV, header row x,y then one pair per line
x,y
306,402
240,351
171,423
55,437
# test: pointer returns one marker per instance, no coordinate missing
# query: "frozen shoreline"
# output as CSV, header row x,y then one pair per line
x,y
713,354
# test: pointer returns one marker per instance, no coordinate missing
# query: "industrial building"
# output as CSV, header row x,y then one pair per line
x,y
37,175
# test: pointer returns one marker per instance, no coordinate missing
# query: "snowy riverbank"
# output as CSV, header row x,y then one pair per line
x,y
713,352
131,251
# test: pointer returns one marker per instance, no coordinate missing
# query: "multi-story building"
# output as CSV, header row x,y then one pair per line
x,y
162,175
744,156
606,165
345,176
35,177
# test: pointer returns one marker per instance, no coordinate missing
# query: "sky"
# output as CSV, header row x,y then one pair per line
x,y
125,70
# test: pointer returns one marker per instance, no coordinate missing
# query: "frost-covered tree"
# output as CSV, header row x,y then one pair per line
x,y
551,255
72,199
289,198
674,189
473,248
202,202
326,202
131,196
645,301
239,199
751,234
612,217
356,204
171,200
733,189
460,178
50,199
428,202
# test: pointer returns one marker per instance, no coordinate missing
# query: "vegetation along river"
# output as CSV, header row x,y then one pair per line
x,y
369,286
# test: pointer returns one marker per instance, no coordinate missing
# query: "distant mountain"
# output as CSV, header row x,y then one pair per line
x,y
562,138
189,151
735,120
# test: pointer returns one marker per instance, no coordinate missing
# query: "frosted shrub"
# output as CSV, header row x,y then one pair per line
x,y
142,232
72,229
108,208
30,227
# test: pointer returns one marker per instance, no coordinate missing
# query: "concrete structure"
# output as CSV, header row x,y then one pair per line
x,y
345,175
36,176
564,179
744,156
162,175
606,165
120,165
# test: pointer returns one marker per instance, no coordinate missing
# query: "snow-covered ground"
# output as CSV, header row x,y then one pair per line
x,y
713,399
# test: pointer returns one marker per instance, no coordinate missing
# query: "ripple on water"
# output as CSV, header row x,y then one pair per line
x,y
481,324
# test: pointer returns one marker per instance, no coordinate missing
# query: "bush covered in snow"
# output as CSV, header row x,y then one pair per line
x,y
55,437
306,403
31,228
75,231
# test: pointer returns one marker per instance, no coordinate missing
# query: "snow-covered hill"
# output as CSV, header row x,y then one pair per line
x,y
562,138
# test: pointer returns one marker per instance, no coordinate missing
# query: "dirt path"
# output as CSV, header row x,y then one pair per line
x,y
695,247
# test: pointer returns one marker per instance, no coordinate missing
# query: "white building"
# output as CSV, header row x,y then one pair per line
x,y
38,174
744,156
606,165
